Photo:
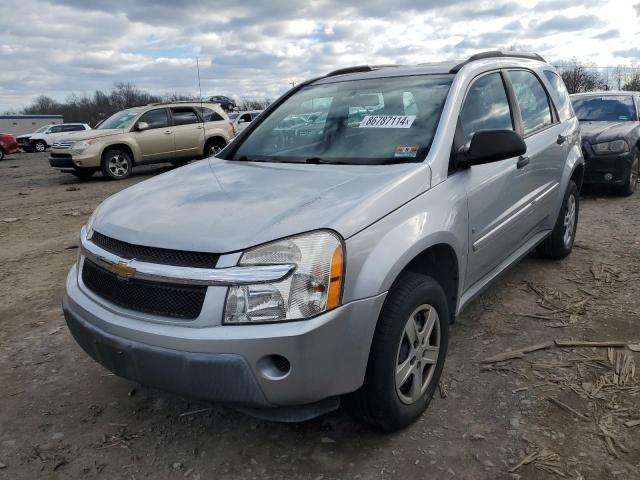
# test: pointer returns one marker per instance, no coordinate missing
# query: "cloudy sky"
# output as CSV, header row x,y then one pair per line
x,y
256,48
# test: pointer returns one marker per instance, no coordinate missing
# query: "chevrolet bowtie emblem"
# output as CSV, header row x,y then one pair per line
x,y
122,270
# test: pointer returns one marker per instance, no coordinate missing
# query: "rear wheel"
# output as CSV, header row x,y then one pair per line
x,y
1,154
214,146
39,146
632,178
116,164
560,243
407,354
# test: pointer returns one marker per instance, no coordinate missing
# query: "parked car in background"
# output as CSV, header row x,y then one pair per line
x,y
610,128
227,104
40,140
163,132
8,145
286,274
23,140
243,119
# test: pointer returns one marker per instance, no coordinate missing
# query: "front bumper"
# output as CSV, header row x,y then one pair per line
x,y
327,354
68,158
598,168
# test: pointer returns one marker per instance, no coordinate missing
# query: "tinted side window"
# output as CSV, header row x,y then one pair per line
x,y
209,115
486,106
72,128
184,116
56,129
156,118
563,102
532,100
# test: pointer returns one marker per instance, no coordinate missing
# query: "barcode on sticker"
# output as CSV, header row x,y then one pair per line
x,y
387,121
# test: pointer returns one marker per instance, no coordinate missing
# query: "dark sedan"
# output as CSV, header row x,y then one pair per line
x,y
610,129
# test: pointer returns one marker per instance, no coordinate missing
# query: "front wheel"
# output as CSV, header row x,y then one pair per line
x,y
407,354
1,154
560,243
632,178
40,146
116,164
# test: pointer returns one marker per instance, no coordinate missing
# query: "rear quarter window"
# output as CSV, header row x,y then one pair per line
x,y
560,95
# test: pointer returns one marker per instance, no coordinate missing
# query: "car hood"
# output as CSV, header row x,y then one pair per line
x,y
97,133
223,206
26,135
598,132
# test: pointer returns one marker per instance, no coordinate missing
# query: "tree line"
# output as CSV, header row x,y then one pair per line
x,y
92,108
581,77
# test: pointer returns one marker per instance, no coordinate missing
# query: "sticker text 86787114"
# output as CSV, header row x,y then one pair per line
x,y
387,121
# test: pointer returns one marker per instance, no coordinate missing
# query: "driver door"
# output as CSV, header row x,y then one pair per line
x,y
156,143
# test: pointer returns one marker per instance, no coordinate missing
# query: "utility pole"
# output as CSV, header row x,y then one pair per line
x,y
292,83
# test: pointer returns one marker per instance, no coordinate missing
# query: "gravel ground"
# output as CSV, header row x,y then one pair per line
x,y
557,412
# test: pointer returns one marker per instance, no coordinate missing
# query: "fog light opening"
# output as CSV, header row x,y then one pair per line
x,y
608,177
274,367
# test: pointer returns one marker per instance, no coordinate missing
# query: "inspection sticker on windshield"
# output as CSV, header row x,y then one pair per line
x,y
387,121
406,151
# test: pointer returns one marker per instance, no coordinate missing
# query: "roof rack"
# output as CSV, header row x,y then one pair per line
x,y
176,101
357,69
497,54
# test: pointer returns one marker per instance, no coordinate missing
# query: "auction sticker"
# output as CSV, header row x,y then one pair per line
x,y
406,151
387,121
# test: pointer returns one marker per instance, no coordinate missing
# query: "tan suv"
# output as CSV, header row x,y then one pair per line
x,y
172,132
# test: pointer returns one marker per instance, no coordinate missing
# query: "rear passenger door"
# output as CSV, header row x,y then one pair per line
x,y
188,131
156,142
497,192
546,146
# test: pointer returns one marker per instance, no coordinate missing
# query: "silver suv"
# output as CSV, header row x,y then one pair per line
x,y
325,252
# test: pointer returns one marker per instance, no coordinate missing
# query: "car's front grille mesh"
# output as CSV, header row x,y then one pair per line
x,y
155,255
177,301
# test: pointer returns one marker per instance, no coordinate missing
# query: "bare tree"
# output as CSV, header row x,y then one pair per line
x,y
246,103
633,82
579,77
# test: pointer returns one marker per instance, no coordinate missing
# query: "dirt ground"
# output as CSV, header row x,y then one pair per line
x,y
553,413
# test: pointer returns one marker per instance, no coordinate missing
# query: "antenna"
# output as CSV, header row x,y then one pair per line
x,y
204,127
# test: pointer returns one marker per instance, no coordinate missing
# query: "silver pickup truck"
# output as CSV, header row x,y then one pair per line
x,y
324,253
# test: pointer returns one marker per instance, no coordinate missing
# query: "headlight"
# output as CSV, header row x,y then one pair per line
x,y
314,287
82,144
617,146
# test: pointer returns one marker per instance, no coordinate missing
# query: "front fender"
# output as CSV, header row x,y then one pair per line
x,y
377,255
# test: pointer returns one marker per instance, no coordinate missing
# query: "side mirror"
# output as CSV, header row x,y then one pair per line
x,y
142,126
491,146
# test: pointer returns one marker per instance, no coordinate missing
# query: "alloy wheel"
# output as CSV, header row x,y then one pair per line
x,y
118,165
40,147
569,220
214,150
633,174
417,354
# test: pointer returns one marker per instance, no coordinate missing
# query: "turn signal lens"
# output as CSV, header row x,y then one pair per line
x,y
335,283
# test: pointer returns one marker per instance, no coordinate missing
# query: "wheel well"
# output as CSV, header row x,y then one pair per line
x,y
120,146
216,139
578,176
440,263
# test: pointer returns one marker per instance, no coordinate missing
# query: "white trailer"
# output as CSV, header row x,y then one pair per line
x,y
21,124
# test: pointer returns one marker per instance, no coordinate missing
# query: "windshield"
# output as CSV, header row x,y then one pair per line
x,y
42,129
373,121
606,108
119,120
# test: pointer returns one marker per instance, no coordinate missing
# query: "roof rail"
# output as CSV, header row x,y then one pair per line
x,y
497,54
176,101
356,69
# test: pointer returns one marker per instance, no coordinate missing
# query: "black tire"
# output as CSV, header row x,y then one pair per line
x,y
116,164
179,163
83,172
556,246
378,402
39,146
1,154
214,146
632,178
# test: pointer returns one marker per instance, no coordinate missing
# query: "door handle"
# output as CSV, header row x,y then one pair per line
x,y
561,139
523,162
168,132
199,127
